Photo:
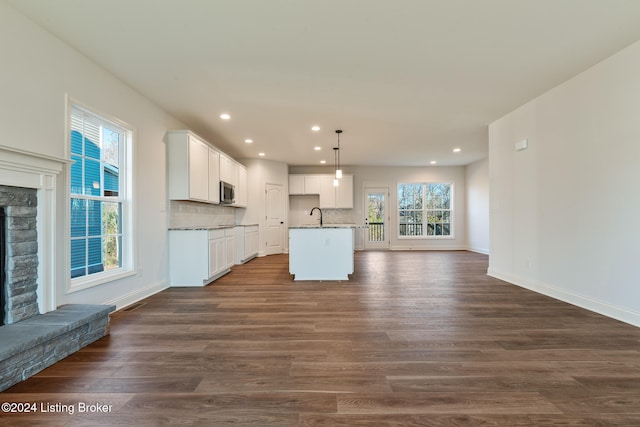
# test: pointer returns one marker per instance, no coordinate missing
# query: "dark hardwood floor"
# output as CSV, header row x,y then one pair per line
x,y
413,339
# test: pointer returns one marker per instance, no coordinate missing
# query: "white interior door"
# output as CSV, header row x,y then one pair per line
x,y
377,217
274,212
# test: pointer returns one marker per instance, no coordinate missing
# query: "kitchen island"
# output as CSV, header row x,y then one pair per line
x,y
321,252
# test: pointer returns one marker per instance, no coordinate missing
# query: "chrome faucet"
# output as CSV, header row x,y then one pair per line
x,y
311,213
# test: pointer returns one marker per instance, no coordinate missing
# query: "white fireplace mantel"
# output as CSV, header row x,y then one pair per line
x,y
19,168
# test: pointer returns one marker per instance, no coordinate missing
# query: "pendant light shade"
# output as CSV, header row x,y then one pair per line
x,y
336,153
337,161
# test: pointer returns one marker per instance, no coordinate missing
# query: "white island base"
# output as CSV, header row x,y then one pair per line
x,y
321,253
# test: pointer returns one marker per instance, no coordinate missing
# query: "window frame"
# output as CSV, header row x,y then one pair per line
x,y
125,198
424,212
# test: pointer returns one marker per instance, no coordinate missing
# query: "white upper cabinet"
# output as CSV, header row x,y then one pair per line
x,y
214,176
243,187
188,163
344,193
312,184
196,169
296,184
327,192
322,185
228,170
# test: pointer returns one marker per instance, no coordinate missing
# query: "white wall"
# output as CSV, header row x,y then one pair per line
x,y
477,202
390,177
300,207
38,71
564,212
261,172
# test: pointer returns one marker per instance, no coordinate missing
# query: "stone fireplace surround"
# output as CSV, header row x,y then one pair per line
x,y
32,171
37,333
20,249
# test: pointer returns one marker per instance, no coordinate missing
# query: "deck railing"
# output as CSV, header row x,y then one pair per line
x,y
411,229
376,231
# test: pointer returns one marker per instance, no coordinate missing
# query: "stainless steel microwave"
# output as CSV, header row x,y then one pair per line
x,y
227,193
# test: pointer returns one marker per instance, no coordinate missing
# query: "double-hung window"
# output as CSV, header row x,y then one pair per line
x,y
425,209
100,199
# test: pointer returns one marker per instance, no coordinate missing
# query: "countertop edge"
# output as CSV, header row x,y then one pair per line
x,y
206,227
318,227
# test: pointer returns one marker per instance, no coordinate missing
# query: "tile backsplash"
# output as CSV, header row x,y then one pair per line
x,y
194,214
300,207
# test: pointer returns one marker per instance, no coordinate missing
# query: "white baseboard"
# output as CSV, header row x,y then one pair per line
x,y
600,307
418,248
126,300
483,251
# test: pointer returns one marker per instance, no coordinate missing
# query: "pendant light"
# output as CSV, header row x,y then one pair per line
x,y
335,166
338,170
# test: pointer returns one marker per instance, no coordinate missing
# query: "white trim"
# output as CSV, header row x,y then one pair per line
x,y
89,281
483,251
20,168
129,235
600,307
452,228
430,248
123,301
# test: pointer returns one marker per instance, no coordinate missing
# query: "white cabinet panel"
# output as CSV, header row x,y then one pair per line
x,y
321,253
242,187
296,184
188,167
312,184
196,257
327,192
198,170
251,238
214,176
246,243
330,195
214,249
229,241
228,170
344,193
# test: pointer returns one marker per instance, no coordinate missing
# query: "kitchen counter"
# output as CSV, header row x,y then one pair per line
x,y
328,226
321,253
202,227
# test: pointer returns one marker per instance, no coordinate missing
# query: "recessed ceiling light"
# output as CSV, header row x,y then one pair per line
x,y
433,162
456,150
315,128
248,141
323,162
317,148
225,116
261,154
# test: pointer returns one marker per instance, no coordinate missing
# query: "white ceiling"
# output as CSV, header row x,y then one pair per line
x,y
406,80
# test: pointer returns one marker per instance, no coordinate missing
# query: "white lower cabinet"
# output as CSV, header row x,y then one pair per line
x,y
246,243
197,257
229,239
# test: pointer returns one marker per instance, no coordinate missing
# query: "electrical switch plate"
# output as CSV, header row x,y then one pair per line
x,y
521,145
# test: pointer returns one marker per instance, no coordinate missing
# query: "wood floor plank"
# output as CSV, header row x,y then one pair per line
x,y
412,339
495,403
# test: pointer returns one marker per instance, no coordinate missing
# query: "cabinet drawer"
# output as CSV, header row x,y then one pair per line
x,y
216,234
